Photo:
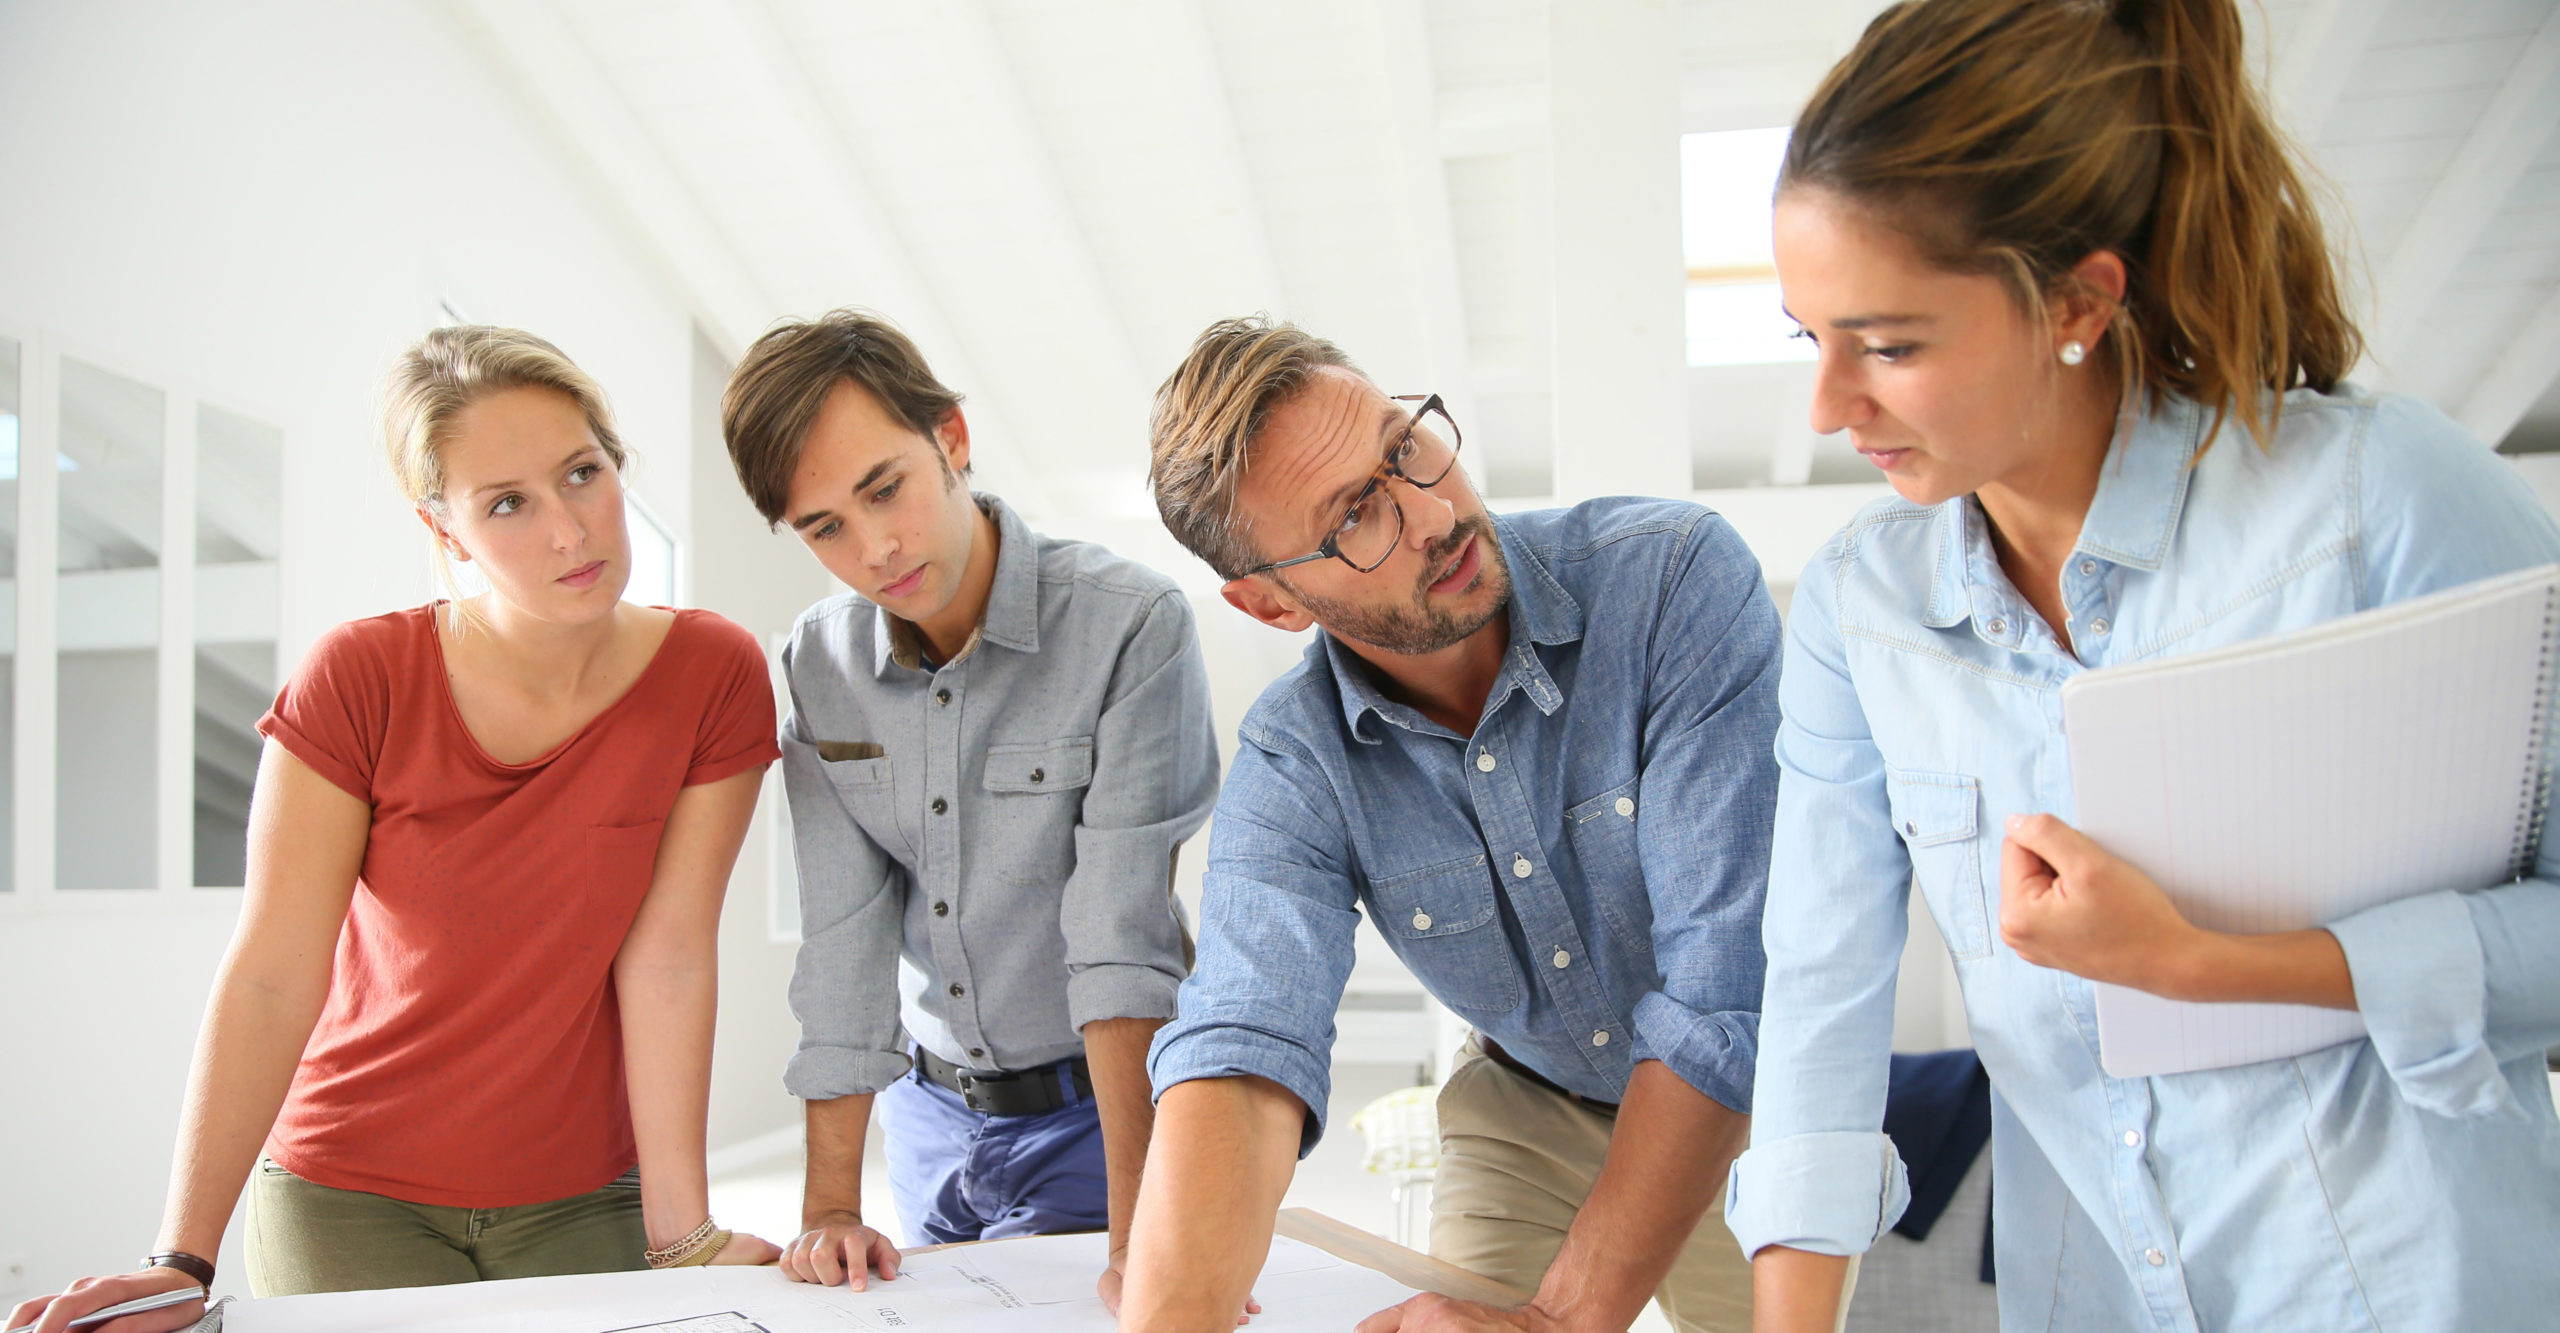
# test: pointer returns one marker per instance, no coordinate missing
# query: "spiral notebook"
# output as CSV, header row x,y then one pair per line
x,y
2290,781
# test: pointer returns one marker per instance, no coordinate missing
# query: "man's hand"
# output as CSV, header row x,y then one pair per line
x,y
1429,1313
2067,903
839,1249
1108,1287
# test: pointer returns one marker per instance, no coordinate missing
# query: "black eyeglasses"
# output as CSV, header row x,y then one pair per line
x,y
1422,455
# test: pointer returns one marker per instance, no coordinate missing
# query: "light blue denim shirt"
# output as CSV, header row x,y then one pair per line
x,y
2406,1181
1580,879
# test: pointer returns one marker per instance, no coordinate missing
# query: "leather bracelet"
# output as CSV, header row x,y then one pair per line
x,y
710,1249
674,1255
184,1262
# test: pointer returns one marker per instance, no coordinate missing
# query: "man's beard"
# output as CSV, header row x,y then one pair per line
x,y
1421,627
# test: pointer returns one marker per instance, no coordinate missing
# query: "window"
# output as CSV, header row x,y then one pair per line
x,y
1735,313
138,606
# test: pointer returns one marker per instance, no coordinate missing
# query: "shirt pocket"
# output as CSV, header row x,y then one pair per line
x,y
622,859
869,794
1937,816
1436,918
1035,799
1603,833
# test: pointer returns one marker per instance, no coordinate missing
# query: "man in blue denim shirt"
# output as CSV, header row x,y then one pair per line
x,y
1537,750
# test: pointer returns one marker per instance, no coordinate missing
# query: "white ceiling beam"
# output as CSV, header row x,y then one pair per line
x,y
2465,201
1196,83
1038,200
843,207
534,47
2312,71
2523,373
1436,298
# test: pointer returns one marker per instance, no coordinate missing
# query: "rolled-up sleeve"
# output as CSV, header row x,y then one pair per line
x,y
1704,843
1278,912
1820,1175
1155,777
844,985
2452,985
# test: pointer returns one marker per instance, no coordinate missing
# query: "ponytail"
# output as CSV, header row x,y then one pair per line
x,y
2017,137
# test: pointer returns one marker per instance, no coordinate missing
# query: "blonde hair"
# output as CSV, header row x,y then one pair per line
x,y
447,371
1204,421
2017,137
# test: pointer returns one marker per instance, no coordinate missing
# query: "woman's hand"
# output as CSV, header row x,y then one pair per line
x,y
53,1314
2067,903
840,1249
746,1248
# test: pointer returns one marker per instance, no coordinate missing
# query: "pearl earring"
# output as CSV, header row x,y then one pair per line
x,y
2073,354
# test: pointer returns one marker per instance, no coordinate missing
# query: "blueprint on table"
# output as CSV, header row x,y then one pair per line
x,y
1011,1286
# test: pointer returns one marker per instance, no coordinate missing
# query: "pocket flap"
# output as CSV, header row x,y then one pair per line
x,y
1436,900
1931,808
1619,803
1045,766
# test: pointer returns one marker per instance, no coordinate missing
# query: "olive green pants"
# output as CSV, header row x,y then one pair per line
x,y
304,1237
1516,1162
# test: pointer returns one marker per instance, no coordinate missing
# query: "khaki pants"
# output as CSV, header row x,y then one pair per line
x,y
1516,1162
305,1237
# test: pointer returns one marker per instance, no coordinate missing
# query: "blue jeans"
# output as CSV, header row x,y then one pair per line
x,y
960,1174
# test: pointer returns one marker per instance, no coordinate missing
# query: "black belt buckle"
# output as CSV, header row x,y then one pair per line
x,y
990,1101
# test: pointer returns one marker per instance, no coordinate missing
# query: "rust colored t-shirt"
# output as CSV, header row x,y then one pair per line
x,y
471,1053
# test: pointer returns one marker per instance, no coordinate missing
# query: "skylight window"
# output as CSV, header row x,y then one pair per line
x,y
1735,315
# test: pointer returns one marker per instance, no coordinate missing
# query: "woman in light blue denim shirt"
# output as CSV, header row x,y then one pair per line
x,y
2071,300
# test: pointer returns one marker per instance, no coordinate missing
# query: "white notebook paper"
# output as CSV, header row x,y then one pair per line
x,y
2290,781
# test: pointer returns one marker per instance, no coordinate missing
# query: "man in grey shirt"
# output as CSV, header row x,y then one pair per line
x,y
994,746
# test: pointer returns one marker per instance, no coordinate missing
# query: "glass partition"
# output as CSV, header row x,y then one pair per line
x,y
239,500
9,414
106,798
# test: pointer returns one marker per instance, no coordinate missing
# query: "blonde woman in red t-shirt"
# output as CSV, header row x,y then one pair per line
x,y
490,839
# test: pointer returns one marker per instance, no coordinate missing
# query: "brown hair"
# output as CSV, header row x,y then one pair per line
x,y
786,377
1204,420
2017,137
450,369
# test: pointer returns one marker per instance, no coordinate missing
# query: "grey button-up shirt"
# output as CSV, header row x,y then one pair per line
x,y
986,847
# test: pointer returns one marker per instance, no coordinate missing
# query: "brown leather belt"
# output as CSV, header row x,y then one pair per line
x,y
1011,1092
1494,1052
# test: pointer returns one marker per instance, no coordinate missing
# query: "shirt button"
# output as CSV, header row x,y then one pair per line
x,y
1484,763
2133,1138
1600,1038
940,805
942,697
1520,867
2088,566
1910,828
942,909
977,1052
1626,807
1997,626
1422,921
2154,1258
1564,959
958,990
1039,775
2098,626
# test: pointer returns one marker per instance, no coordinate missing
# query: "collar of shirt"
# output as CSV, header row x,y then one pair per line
x,y
1541,612
1013,601
2142,488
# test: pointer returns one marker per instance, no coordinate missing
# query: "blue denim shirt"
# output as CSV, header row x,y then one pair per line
x,y
1580,879
2409,1180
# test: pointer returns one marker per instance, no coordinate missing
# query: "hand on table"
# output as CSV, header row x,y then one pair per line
x,y
2068,903
52,1314
1108,1287
840,1250
746,1248
1429,1313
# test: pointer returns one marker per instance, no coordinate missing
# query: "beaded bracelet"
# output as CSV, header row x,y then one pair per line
x,y
674,1256
710,1250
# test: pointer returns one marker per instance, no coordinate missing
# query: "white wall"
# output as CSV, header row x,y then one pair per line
x,y
266,201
